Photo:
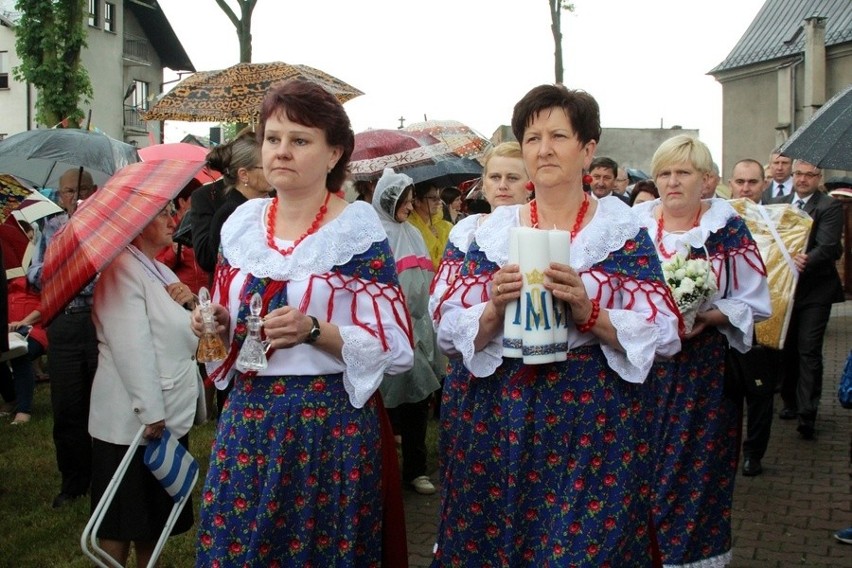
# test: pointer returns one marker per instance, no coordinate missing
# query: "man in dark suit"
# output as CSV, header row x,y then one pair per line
x,y
780,168
759,366
819,286
604,171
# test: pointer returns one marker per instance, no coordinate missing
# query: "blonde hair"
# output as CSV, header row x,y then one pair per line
x,y
503,150
682,149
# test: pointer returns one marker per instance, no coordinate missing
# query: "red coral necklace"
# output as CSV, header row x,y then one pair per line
x,y
271,217
578,222
661,225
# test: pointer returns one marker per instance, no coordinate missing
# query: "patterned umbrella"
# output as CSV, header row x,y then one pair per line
x,y
105,223
462,140
234,94
13,192
418,153
43,155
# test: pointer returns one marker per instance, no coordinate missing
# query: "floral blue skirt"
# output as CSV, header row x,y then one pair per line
x,y
697,441
294,478
546,465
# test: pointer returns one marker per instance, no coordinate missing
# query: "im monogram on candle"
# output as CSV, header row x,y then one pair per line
x,y
535,327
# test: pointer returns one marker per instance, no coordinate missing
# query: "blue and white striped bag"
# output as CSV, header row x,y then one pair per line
x,y
172,465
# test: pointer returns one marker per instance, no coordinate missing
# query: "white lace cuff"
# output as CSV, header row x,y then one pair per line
x,y
463,334
741,328
365,363
639,340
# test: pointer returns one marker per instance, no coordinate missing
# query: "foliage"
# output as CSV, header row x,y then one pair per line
x,y
556,8
50,36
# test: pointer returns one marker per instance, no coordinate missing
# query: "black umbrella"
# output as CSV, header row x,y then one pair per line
x,y
43,155
634,175
450,171
826,139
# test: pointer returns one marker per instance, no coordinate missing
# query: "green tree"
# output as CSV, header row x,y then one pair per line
x,y
241,24
556,7
49,37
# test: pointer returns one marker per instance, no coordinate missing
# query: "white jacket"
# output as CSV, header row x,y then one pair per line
x,y
146,355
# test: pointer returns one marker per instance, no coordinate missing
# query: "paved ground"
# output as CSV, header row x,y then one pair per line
x,y
785,517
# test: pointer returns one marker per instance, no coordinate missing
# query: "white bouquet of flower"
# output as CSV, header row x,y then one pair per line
x,y
692,282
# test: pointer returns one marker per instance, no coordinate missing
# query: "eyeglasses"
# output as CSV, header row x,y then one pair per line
x,y
169,211
257,167
808,175
433,198
82,193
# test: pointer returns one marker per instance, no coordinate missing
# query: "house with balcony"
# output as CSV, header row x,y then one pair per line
x,y
130,42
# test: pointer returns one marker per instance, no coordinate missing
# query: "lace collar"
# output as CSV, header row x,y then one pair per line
x,y
244,242
714,219
611,226
462,233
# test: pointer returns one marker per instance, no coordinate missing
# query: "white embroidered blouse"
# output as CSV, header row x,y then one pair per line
x,y
742,291
645,326
342,300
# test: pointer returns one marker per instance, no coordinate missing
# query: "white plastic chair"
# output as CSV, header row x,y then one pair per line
x,y
177,472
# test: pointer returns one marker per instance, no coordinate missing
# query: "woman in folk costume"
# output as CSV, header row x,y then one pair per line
x,y
296,471
698,427
504,181
552,463
408,394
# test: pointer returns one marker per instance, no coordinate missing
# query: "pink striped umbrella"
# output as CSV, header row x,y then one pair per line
x,y
105,223
181,151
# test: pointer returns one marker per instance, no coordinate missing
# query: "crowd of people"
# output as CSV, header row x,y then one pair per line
x,y
621,451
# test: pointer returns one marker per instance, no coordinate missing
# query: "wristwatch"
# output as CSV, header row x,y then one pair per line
x,y
314,334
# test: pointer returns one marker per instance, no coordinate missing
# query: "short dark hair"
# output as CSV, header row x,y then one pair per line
x,y
581,107
450,194
643,186
422,188
604,162
309,104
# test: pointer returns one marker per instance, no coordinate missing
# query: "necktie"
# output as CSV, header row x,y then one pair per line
x,y
800,204
780,190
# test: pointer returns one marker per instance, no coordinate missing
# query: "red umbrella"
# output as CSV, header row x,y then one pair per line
x,y
417,153
181,151
106,223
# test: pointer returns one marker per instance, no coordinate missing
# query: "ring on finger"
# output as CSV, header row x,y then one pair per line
x,y
499,288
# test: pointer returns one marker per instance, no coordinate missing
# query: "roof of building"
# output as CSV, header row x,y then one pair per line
x,y
158,29
153,21
777,30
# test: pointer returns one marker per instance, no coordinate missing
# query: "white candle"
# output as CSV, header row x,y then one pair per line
x,y
560,251
536,301
512,319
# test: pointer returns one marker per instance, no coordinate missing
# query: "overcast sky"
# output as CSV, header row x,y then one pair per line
x,y
645,61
